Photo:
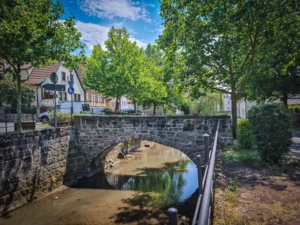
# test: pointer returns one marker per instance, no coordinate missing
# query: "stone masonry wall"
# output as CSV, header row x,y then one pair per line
x,y
96,134
33,164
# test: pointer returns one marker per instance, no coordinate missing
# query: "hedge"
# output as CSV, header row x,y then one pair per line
x,y
272,130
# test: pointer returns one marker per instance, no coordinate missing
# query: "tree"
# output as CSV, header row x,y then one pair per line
x,y
279,70
115,71
30,32
155,93
222,42
206,105
8,90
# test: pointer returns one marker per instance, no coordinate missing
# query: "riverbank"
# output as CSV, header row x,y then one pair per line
x,y
136,191
255,193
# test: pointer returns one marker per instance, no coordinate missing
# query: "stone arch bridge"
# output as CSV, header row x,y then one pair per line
x,y
96,135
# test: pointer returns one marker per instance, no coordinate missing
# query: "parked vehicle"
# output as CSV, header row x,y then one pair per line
x,y
65,107
133,112
102,111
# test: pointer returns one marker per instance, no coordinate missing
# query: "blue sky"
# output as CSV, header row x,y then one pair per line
x,y
94,18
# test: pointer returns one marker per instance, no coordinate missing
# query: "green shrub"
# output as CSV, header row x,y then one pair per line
x,y
296,108
62,118
245,138
272,130
291,109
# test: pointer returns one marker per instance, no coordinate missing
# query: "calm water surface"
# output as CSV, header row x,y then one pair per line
x,y
137,191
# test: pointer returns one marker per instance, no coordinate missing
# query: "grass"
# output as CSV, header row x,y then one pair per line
x,y
272,198
230,201
46,125
231,153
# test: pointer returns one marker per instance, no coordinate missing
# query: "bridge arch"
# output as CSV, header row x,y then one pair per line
x,y
97,134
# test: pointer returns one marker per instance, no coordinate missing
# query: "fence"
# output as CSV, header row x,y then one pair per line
x,y
64,117
203,211
8,118
30,118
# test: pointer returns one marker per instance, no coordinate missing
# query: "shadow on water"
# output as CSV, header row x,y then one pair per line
x,y
137,210
156,189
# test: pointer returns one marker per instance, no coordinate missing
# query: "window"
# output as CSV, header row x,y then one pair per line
x,y
77,97
102,99
60,95
65,97
96,98
89,97
47,94
63,76
72,77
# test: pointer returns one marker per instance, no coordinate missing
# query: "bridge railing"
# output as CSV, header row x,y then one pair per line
x,y
202,215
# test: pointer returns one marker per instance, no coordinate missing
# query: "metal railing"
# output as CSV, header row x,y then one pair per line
x,y
202,215
8,118
30,119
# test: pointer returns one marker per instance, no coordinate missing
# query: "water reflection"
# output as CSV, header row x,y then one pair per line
x,y
138,191
167,173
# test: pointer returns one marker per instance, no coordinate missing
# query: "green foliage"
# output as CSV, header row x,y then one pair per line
x,y
235,154
8,90
117,71
207,105
233,185
32,33
295,109
156,90
278,67
245,138
220,44
62,118
272,130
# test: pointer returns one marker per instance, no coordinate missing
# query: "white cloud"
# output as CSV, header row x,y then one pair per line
x,y
138,42
92,33
96,34
114,8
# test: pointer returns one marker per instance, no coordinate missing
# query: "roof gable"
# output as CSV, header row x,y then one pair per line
x,y
38,75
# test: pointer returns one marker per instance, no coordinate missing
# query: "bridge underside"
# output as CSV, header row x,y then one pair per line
x,y
98,134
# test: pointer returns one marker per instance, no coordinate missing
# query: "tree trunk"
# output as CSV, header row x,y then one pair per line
x,y
285,98
117,108
19,121
154,108
234,116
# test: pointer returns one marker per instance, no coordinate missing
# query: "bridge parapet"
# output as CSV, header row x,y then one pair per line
x,y
96,134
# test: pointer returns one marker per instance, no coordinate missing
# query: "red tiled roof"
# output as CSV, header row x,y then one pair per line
x,y
38,75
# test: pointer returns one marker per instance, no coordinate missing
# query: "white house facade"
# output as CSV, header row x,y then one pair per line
x,y
44,98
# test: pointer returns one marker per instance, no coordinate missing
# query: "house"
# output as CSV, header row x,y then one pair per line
x,y
44,98
95,99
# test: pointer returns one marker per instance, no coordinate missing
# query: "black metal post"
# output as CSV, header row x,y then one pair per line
x,y
199,174
5,121
206,139
72,109
55,119
173,217
33,122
